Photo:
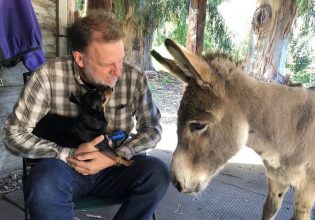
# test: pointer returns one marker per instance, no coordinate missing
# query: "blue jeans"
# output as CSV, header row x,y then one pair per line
x,y
52,186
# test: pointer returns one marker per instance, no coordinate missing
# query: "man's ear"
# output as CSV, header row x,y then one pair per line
x,y
78,57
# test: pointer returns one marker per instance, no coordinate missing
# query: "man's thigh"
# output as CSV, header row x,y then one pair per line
x,y
59,177
120,181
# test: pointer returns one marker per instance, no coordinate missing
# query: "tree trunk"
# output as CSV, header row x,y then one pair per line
x,y
196,25
147,42
100,4
133,39
138,39
272,26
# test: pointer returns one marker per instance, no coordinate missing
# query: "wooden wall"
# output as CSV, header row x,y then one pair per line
x,y
46,12
52,21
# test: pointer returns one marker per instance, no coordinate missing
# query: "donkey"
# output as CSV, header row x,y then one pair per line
x,y
223,109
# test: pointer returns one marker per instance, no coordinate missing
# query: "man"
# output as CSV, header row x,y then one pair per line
x,y
65,174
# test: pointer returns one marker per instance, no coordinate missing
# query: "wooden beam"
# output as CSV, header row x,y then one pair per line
x,y
9,96
65,14
196,25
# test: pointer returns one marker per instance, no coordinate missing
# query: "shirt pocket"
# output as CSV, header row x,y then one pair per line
x,y
119,117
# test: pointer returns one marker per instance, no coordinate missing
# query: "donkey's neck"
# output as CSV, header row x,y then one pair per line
x,y
272,111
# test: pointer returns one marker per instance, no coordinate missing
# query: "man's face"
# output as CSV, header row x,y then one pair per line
x,y
102,62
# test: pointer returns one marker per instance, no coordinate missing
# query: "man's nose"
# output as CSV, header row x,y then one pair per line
x,y
117,69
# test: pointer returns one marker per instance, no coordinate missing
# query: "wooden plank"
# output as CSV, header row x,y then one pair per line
x,y
2,120
49,43
16,198
8,97
9,211
8,162
46,13
13,76
62,24
46,16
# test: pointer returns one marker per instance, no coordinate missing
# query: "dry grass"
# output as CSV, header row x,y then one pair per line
x,y
167,92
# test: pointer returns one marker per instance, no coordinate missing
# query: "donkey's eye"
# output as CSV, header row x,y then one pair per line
x,y
197,126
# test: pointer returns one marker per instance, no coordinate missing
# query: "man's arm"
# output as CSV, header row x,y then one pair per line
x,y
32,105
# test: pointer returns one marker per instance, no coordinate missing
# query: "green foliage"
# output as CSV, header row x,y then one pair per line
x,y
152,14
218,35
306,10
301,77
300,59
177,32
240,52
175,27
300,55
168,18
79,5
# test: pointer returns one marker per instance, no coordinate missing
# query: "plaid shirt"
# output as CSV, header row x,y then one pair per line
x,y
48,90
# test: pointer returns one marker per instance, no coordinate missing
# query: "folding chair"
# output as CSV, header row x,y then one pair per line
x,y
85,203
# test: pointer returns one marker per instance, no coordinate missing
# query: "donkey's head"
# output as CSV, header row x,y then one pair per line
x,y
210,127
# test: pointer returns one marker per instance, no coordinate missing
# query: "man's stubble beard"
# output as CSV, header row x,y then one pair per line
x,y
98,82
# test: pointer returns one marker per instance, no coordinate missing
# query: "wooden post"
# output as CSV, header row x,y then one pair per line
x,y
196,25
65,16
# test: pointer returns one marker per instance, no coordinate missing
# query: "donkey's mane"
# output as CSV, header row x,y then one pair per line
x,y
221,69
223,64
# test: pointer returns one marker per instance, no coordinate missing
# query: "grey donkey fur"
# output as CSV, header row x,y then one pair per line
x,y
224,109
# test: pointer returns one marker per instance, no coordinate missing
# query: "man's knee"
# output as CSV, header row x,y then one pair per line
x,y
156,173
46,179
160,171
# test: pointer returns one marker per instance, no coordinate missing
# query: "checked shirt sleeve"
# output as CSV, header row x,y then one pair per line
x,y
32,105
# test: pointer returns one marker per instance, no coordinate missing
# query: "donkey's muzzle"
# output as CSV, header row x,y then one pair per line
x,y
183,189
177,185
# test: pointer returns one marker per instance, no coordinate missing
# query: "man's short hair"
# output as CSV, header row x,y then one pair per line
x,y
82,31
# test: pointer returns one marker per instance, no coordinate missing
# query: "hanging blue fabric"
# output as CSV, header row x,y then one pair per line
x,y
20,35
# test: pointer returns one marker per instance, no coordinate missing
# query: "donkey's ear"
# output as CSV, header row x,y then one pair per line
x,y
196,67
171,66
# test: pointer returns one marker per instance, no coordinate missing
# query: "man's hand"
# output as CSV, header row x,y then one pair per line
x,y
88,159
